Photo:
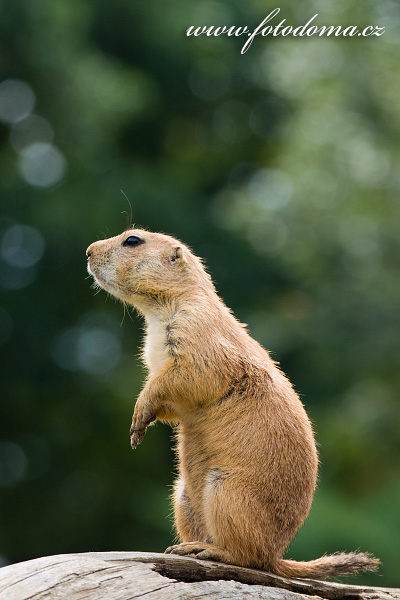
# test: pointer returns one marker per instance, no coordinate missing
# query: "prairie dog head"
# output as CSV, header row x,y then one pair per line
x,y
141,267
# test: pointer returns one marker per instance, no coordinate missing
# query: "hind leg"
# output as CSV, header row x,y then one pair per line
x,y
242,527
196,541
188,527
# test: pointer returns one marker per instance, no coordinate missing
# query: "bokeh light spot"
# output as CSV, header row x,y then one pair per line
x,y
94,347
42,164
22,246
98,351
17,101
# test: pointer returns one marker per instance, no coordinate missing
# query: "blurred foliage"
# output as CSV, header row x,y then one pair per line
x,y
279,167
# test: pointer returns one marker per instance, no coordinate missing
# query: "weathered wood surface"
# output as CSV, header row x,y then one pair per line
x,y
129,575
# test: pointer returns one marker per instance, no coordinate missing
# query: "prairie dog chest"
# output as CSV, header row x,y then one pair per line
x,y
155,347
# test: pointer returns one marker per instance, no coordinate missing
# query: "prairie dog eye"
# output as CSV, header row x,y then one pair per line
x,y
132,240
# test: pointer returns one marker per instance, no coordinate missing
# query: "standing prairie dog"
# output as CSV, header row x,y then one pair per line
x,y
246,450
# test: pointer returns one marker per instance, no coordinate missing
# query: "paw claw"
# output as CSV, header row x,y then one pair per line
x,y
138,429
137,436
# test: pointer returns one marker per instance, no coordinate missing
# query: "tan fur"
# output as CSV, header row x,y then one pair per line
x,y
247,457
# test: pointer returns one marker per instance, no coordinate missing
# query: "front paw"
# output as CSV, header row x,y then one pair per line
x,y
136,436
138,429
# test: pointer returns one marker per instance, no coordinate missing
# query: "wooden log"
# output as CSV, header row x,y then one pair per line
x,y
131,575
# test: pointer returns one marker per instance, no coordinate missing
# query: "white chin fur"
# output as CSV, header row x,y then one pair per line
x,y
96,278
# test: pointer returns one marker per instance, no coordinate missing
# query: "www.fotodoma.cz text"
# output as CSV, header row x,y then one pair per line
x,y
266,28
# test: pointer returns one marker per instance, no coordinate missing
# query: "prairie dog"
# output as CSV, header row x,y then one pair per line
x,y
246,450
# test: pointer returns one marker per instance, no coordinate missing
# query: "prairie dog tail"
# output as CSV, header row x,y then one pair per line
x,y
334,565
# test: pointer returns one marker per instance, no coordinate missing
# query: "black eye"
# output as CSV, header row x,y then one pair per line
x,y
132,240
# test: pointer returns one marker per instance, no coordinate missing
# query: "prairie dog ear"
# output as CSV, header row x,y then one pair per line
x,y
176,255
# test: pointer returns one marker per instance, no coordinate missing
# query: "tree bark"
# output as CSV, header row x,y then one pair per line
x,y
129,575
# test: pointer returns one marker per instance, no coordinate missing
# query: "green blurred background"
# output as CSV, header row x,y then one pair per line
x,y
280,167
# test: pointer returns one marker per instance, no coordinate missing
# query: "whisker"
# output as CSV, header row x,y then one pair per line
x,y
128,312
129,218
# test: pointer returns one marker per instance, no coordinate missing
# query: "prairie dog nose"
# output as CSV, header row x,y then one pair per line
x,y
89,251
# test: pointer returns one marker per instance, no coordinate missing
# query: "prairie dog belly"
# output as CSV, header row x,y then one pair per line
x,y
155,348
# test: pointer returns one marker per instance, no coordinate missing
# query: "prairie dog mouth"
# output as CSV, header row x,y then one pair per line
x,y
101,280
88,268
96,273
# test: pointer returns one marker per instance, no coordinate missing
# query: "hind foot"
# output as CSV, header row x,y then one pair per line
x,y
200,550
